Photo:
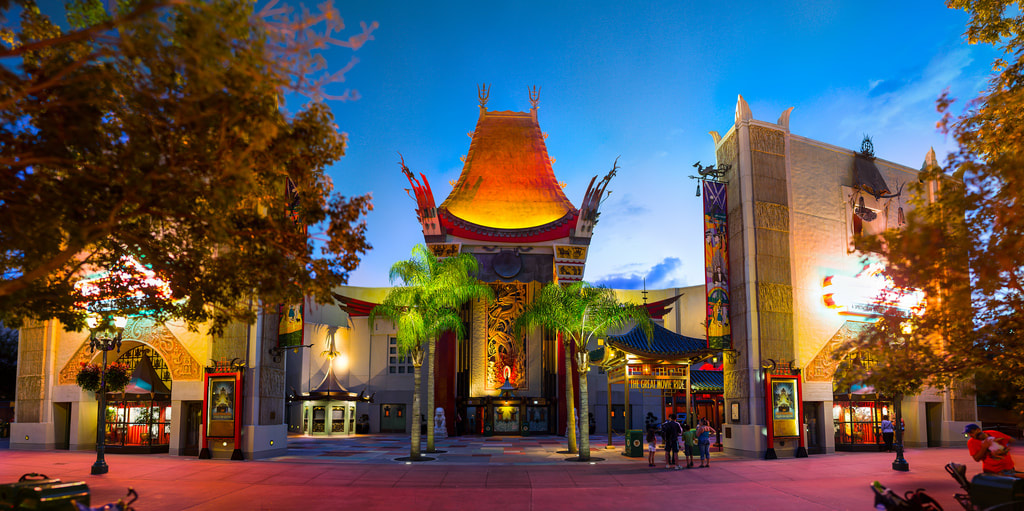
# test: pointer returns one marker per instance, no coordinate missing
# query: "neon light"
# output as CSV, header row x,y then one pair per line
x,y
870,293
138,278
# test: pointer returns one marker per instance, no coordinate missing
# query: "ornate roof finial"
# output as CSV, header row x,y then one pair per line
x,y
867,147
534,96
483,92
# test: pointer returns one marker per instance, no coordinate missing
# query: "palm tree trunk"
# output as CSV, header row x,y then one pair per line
x,y
414,446
570,404
584,409
432,346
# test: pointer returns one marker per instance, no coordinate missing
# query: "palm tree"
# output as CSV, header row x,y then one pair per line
x,y
426,306
580,312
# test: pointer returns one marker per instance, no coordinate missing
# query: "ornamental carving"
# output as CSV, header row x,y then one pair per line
x,y
823,366
570,253
767,141
442,250
504,350
773,297
152,333
570,270
727,152
771,216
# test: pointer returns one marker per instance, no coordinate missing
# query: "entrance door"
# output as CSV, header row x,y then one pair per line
x,y
193,419
933,413
62,426
392,418
812,425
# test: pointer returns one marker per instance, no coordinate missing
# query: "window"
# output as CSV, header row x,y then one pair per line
x,y
397,363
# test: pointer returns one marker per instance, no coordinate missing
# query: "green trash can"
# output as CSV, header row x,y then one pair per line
x,y
635,443
36,491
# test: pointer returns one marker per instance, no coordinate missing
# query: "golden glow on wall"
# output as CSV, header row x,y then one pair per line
x,y
870,293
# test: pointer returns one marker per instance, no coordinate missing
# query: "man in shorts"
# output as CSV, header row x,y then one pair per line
x,y
670,432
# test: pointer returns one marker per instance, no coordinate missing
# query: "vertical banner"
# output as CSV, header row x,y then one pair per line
x,y
289,328
716,266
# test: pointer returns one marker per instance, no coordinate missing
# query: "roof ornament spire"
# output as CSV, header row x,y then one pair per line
x,y
534,99
483,91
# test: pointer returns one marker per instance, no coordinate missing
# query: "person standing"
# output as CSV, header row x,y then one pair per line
x,y
689,440
992,449
888,431
652,445
704,433
670,433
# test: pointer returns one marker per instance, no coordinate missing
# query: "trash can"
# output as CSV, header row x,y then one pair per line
x,y
635,443
36,491
989,490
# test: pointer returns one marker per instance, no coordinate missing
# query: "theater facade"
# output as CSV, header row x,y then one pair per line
x,y
784,288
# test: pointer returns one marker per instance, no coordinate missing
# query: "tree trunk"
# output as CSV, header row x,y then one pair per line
x,y
414,447
431,356
570,403
584,409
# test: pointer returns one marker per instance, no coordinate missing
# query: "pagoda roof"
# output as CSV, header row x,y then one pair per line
x,y
145,381
665,344
507,183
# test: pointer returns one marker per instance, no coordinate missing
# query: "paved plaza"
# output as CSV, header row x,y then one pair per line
x,y
361,472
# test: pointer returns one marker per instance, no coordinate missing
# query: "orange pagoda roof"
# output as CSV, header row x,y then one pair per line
x,y
507,182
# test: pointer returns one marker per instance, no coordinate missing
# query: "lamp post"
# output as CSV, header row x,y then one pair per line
x,y
103,339
899,463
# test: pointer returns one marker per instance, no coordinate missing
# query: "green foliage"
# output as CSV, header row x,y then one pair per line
x,y
433,290
580,312
158,131
89,375
425,307
964,240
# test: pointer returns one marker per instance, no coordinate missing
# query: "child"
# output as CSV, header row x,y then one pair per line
x,y
652,446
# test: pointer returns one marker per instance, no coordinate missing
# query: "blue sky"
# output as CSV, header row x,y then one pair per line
x,y
646,81
642,80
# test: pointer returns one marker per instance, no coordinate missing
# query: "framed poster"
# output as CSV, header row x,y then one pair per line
x,y
785,406
222,406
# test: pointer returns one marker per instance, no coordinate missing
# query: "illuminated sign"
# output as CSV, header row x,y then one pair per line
x,y
870,293
136,278
643,383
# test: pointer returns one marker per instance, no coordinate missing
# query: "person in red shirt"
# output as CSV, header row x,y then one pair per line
x,y
992,449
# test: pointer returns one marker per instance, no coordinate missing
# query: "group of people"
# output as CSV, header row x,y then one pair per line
x,y
697,438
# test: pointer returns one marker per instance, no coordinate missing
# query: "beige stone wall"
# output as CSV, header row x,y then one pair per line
x,y
821,177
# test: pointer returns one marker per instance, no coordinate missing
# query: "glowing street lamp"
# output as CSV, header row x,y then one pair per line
x,y
102,338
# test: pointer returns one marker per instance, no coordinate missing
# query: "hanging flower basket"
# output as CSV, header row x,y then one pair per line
x,y
89,377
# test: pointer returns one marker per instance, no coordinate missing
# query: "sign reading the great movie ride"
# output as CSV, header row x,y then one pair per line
x,y
870,293
716,266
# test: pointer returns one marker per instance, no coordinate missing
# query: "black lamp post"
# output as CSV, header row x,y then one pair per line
x,y
899,463
103,339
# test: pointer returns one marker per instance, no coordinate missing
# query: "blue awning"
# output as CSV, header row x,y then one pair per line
x,y
706,381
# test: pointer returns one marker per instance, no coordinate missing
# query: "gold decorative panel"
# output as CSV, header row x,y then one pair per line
x,y
570,253
771,216
503,348
442,250
823,366
767,141
774,297
727,151
152,333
